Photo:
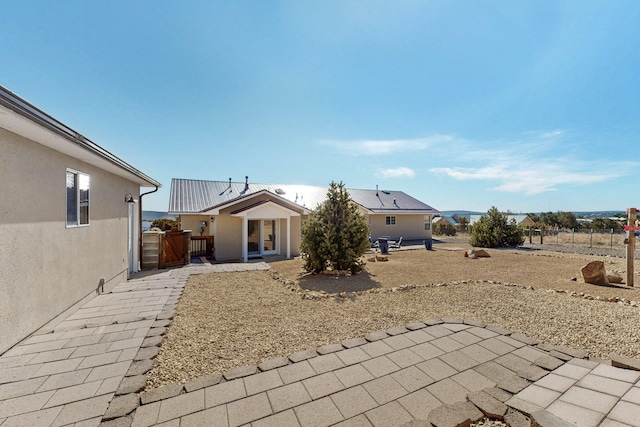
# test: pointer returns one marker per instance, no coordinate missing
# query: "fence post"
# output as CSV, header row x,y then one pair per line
x,y
591,238
611,245
557,237
631,222
573,236
530,234
541,234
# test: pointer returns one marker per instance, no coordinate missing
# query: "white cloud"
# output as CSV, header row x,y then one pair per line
x,y
374,147
401,172
542,163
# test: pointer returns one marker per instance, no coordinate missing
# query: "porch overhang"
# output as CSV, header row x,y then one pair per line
x,y
265,209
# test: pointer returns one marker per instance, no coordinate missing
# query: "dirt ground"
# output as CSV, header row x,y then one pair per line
x,y
446,262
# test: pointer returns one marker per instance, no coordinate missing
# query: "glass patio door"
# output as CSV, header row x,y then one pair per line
x,y
253,237
269,236
261,237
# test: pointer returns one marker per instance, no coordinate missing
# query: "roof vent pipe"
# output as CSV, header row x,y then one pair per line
x,y
246,183
377,191
225,190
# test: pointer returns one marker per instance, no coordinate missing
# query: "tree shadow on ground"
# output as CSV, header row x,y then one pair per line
x,y
333,283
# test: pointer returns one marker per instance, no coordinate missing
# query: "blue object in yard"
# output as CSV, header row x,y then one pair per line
x,y
428,244
384,245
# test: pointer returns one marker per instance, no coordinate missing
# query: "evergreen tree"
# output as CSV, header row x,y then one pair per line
x,y
336,235
493,230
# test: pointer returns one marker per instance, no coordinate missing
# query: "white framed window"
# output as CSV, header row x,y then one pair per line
x,y
77,198
427,222
390,220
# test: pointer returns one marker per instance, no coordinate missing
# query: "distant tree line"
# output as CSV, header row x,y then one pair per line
x,y
567,220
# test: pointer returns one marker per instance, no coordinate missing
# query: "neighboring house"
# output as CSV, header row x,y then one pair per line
x,y
521,219
69,218
252,220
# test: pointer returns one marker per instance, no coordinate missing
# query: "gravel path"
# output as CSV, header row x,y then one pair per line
x,y
227,320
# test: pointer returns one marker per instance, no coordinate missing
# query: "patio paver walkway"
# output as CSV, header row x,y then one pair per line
x,y
88,369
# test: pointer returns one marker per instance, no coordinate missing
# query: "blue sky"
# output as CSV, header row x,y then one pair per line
x,y
528,106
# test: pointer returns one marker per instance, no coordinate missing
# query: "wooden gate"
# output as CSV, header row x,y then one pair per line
x,y
176,248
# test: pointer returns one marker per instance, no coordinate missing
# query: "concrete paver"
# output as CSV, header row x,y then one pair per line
x,y
68,373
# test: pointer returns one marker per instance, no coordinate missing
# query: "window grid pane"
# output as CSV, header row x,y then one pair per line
x,y
72,199
77,199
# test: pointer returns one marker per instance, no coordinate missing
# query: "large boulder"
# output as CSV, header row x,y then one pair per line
x,y
595,273
479,253
614,277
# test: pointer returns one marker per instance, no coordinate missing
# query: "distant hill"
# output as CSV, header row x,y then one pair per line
x,y
578,214
460,213
151,215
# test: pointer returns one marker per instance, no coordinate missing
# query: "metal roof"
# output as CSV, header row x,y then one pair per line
x,y
76,144
193,196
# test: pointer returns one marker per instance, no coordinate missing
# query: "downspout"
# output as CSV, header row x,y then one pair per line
x,y
140,225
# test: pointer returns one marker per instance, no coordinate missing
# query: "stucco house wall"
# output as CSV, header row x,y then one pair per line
x,y
408,226
47,267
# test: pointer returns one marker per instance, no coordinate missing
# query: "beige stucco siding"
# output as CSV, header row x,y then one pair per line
x,y
408,226
47,267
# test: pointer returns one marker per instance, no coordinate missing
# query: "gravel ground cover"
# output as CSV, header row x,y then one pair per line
x,y
227,320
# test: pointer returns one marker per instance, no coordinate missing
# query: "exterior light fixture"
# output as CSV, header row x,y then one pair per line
x,y
129,198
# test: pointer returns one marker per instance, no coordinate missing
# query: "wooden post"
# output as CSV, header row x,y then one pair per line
x,y
631,245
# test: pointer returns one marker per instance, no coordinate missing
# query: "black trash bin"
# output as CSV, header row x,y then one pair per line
x,y
428,244
384,245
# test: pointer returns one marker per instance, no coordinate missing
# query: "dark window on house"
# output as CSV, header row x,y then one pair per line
x,y
390,220
77,198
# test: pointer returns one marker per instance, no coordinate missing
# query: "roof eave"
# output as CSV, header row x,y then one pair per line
x,y
73,139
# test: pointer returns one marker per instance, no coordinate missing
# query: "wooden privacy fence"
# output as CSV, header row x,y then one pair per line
x,y
165,249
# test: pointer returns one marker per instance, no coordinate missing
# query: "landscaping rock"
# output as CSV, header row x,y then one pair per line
x,y
613,277
479,253
595,273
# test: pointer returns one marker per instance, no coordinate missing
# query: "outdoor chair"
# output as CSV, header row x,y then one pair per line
x,y
396,245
